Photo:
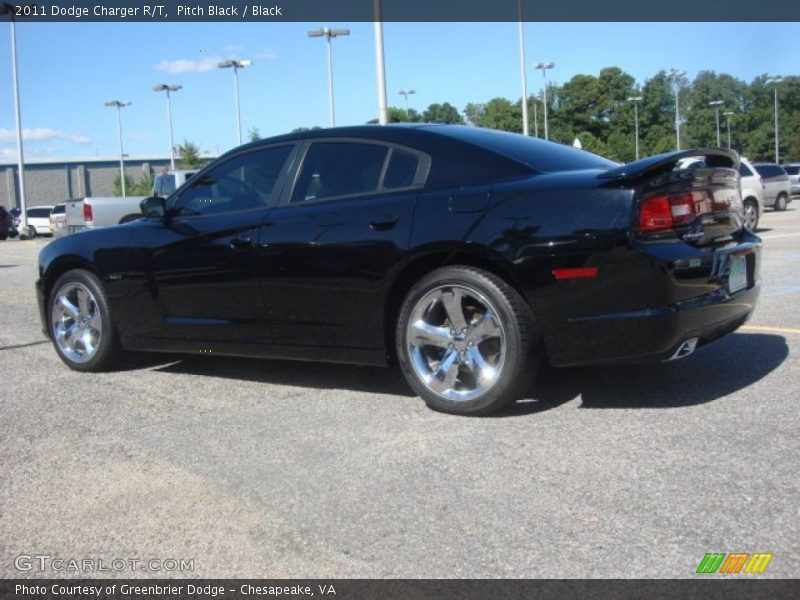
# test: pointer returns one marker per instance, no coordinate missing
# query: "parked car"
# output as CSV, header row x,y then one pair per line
x,y
777,187
39,219
6,224
95,212
466,255
751,187
58,219
793,170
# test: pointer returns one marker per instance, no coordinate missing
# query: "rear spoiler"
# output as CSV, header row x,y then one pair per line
x,y
714,157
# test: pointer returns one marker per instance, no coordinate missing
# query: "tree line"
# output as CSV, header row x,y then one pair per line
x,y
596,110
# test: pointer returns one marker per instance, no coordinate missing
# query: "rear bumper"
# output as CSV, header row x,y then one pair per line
x,y
682,295
654,335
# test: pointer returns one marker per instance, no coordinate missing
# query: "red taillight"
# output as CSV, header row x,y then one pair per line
x,y
576,273
660,213
87,211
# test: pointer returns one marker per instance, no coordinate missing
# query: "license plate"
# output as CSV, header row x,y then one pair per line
x,y
737,277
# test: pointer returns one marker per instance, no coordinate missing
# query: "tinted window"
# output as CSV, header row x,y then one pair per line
x,y
401,171
38,213
240,183
58,209
536,153
744,171
792,170
339,169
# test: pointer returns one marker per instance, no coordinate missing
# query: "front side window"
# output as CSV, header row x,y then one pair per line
x,y
243,182
744,171
339,169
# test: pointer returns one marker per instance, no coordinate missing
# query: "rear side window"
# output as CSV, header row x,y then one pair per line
x,y
335,169
744,171
792,170
402,170
58,210
38,213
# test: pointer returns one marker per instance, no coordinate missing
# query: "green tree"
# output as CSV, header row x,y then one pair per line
x,y
134,187
498,113
442,113
189,153
254,134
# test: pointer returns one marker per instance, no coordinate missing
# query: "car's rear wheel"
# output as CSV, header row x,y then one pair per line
x,y
780,202
80,323
465,341
750,214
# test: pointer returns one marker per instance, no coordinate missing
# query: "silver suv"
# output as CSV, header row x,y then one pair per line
x,y
793,170
777,189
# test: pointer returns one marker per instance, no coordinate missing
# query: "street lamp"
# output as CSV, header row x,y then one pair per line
x,y
236,65
328,34
636,100
716,104
10,10
775,81
676,75
728,115
522,74
544,66
405,94
163,87
119,106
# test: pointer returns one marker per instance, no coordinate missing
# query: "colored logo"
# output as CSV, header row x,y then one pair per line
x,y
734,562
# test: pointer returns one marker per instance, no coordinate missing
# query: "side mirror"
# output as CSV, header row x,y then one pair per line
x,y
153,207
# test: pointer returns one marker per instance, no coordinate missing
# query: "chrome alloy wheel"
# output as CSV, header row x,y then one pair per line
x,y
76,322
456,342
750,216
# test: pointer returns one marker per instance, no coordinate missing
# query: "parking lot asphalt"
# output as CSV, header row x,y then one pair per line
x,y
277,469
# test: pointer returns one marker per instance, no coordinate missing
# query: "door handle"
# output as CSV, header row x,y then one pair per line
x,y
383,224
241,242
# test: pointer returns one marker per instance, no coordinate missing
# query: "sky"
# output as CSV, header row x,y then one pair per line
x,y
68,70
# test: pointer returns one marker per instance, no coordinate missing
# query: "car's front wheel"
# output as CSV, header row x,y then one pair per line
x,y
80,322
466,341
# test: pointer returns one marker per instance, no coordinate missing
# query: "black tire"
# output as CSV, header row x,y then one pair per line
x,y
751,224
108,350
519,347
780,202
3,237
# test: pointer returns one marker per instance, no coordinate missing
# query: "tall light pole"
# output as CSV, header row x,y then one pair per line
x,y
676,75
236,65
544,66
119,106
8,9
775,81
522,71
380,64
163,87
716,104
405,94
636,100
328,34
728,115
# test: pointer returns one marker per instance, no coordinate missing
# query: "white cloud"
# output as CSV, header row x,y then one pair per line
x,y
42,133
184,65
266,55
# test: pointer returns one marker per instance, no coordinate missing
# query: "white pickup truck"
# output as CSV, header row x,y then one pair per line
x,y
90,213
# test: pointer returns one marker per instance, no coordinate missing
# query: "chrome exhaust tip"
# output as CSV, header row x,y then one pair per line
x,y
685,349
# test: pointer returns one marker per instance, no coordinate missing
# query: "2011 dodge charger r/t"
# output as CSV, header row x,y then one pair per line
x,y
465,255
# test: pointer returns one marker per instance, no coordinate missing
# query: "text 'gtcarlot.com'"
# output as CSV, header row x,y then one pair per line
x,y
45,562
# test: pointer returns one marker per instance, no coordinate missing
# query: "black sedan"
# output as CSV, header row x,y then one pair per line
x,y
467,256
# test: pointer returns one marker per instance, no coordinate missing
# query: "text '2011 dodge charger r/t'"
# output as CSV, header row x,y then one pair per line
x,y
465,255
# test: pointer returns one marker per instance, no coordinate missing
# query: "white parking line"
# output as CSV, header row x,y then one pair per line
x,y
780,235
